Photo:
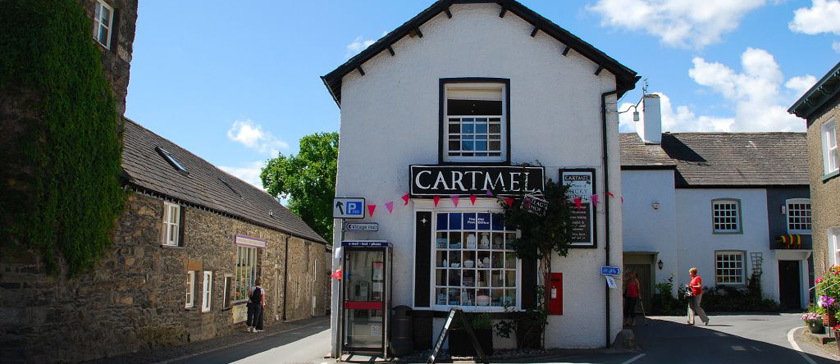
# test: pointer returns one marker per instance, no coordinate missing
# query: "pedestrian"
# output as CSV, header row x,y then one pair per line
x,y
631,298
696,289
255,307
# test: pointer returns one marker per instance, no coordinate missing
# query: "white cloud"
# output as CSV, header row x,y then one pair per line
x,y
252,135
836,46
359,44
679,23
249,173
800,84
683,119
822,17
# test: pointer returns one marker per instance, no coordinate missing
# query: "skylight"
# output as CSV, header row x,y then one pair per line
x,y
230,187
171,159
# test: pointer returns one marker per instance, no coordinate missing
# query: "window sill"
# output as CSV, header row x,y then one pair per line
x,y
829,176
171,246
727,232
190,308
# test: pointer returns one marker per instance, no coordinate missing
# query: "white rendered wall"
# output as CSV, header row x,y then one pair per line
x,y
389,120
697,242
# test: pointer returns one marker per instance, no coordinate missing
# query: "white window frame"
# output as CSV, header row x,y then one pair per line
x,y
719,213
246,272
727,265
833,245
828,134
207,291
190,294
170,234
516,304
798,215
98,26
503,138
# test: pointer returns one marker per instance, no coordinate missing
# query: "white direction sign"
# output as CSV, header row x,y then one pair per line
x,y
348,208
362,226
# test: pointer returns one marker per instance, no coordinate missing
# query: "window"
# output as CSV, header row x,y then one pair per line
x,y
171,224
475,122
799,216
726,216
206,291
834,246
246,271
102,22
475,264
172,161
829,147
226,303
729,268
190,297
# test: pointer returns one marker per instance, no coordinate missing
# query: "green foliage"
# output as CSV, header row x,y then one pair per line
x,y
715,299
308,179
68,147
664,302
528,325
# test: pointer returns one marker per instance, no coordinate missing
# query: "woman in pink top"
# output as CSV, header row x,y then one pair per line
x,y
696,287
631,298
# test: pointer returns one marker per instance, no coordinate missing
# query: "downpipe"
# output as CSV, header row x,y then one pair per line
x,y
605,163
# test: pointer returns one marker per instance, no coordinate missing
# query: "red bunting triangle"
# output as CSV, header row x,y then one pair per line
x,y
390,206
509,202
578,202
437,199
337,274
610,194
371,208
472,199
405,198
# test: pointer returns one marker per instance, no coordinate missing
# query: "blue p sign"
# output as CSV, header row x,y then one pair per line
x,y
354,208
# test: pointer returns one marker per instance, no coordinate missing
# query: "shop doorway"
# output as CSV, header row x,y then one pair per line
x,y
790,285
645,283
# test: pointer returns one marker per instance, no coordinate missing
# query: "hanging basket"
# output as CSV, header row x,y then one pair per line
x,y
816,327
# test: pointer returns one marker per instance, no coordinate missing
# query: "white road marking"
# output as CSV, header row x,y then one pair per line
x,y
720,334
738,348
796,346
637,357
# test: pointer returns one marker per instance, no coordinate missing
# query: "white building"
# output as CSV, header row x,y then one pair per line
x,y
463,92
718,202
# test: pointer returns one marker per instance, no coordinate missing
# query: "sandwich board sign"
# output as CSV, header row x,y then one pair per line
x,y
349,208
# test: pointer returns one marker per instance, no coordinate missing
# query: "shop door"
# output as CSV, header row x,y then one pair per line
x,y
364,294
789,285
643,271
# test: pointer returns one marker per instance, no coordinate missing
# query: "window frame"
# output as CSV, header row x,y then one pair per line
x,y
738,216
789,215
828,133
97,22
227,299
743,268
443,130
433,286
190,293
167,224
207,291
833,236
243,280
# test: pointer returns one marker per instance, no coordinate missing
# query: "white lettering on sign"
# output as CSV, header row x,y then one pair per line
x,y
459,180
417,180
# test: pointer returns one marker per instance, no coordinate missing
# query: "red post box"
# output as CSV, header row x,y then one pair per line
x,y
555,294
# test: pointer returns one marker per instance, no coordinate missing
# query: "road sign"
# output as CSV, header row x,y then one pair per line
x,y
610,271
348,208
362,226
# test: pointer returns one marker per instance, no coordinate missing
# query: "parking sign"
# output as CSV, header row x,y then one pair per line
x,y
348,208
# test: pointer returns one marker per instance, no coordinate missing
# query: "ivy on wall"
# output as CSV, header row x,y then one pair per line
x,y
61,192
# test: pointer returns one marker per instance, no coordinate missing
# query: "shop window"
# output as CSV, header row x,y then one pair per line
x,y
103,19
246,271
726,216
190,295
207,291
475,122
475,264
829,147
799,216
170,235
729,267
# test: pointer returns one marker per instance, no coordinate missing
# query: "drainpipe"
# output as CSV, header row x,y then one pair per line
x,y
285,276
605,155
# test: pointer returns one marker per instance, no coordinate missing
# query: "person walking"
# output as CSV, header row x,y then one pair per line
x,y
255,307
696,288
631,298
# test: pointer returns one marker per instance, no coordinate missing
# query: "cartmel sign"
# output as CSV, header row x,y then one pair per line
x,y
476,180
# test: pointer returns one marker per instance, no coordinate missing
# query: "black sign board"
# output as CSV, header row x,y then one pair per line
x,y
535,205
476,180
444,332
581,184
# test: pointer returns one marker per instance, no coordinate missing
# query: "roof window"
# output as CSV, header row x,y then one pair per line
x,y
230,187
171,159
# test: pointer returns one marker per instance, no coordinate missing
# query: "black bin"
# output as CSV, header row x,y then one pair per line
x,y
402,331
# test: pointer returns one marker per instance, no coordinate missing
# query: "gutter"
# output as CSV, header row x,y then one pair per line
x,y
606,205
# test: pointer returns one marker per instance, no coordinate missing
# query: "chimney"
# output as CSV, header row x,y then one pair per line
x,y
650,127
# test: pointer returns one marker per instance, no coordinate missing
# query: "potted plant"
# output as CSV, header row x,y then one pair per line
x,y
814,322
828,293
460,343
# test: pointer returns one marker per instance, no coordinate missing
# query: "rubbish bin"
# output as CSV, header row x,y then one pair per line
x,y
402,331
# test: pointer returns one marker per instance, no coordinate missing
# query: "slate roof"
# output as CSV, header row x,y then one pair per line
x,y
205,185
727,159
625,77
636,154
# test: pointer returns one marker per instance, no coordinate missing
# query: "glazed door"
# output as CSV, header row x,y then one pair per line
x,y
364,299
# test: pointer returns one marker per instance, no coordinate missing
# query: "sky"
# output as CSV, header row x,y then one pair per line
x,y
236,83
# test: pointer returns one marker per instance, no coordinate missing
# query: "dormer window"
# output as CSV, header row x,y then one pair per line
x,y
103,20
475,121
172,161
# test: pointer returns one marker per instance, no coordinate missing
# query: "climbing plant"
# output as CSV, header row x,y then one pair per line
x,y
60,192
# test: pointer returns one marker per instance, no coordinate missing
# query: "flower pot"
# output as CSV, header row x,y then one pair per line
x,y
816,327
829,319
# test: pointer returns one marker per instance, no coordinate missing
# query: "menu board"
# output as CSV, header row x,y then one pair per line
x,y
581,184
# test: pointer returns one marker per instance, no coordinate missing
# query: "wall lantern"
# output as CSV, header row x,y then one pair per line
x,y
655,205
659,264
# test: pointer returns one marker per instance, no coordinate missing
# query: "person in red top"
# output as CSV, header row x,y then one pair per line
x,y
631,298
696,287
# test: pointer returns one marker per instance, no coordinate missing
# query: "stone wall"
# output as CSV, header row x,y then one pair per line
x,y
134,299
825,193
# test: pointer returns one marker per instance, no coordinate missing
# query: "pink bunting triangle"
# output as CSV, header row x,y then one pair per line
x,y
610,194
337,274
489,193
371,208
509,202
390,206
622,199
455,199
578,202
472,199
437,199
595,199
405,198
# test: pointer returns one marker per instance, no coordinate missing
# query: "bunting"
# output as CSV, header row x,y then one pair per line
x,y
371,208
337,274
405,198
390,206
578,202
437,199
472,199
455,199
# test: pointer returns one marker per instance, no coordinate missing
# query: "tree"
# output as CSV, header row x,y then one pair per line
x,y
308,180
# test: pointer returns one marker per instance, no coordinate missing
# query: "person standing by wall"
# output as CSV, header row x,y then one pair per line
x,y
631,298
696,288
255,307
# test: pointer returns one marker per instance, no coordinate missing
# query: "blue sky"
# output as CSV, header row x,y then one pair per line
x,y
238,82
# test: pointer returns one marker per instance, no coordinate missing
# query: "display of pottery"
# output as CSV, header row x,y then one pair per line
x,y
471,241
482,300
497,240
469,263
